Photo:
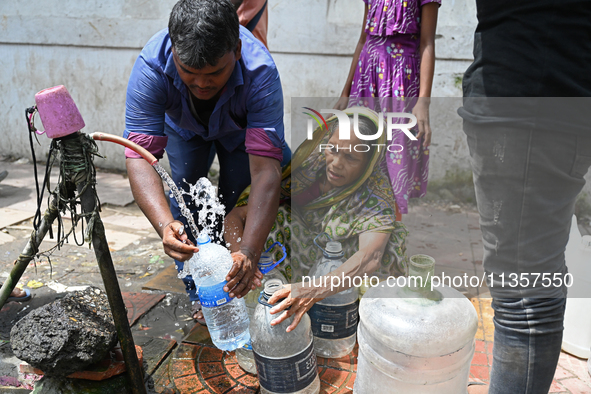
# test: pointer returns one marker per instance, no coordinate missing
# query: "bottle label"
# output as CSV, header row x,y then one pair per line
x,y
212,296
247,345
287,375
334,321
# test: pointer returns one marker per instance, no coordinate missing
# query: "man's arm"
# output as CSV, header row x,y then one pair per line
x,y
145,107
148,193
234,227
262,209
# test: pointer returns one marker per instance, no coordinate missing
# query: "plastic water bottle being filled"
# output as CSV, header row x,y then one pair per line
x,y
267,266
226,318
334,319
285,361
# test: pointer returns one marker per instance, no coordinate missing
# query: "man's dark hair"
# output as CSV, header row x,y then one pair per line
x,y
202,31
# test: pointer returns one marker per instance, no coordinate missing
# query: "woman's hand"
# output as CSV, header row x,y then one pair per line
x,y
243,277
176,243
342,104
421,111
299,306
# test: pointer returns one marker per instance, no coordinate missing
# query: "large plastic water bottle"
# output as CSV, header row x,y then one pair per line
x,y
285,361
266,265
413,340
226,317
334,319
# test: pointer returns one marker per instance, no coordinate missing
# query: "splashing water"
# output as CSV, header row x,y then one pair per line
x,y
178,196
204,195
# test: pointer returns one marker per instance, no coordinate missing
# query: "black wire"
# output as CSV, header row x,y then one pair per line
x,y
37,218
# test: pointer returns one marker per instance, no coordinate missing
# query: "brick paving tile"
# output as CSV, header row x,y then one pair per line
x,y
223,384
348,362
334,377
576,386
183,367
137,304
479,346
219,372
210,354
249,381
230,358
562,373
480,359
188,384
326,388
234,371
210,370
557,388
576,366
349,384
162,381
186,351
480,372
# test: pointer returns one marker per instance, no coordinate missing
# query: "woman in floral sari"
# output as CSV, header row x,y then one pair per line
x,y
330,187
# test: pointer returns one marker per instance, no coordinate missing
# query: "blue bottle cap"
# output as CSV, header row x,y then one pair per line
x,y
203,238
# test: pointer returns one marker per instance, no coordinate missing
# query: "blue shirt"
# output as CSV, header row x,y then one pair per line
x,y
250,108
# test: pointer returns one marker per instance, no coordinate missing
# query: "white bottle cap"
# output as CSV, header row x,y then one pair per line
x,y
334,247
203,238
272,285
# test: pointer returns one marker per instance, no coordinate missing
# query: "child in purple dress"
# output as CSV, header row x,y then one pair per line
x,y
394,61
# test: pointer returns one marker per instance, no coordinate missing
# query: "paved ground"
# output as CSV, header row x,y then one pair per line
x,y
449,233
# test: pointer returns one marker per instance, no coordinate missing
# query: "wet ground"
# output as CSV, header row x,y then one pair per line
x,y
448,232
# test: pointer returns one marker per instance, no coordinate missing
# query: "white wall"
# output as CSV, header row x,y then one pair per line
x,y
90,47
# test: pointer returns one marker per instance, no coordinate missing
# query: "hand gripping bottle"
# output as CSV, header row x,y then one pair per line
x,y
226,318
266,265
285,361
334,319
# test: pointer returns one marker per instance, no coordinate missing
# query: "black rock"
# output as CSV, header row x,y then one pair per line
x,y
67,335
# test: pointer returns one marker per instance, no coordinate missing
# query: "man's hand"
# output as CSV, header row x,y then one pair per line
x,y
299,306
176,243
243,277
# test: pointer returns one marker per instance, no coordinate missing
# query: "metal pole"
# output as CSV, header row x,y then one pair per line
x,y
29,252
105,263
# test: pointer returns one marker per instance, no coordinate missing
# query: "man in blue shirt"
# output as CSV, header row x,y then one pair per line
x,y
206,80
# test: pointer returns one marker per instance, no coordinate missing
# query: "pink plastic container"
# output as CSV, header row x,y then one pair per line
x,y
58,112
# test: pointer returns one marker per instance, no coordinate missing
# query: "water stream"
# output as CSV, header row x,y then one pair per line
x,y
204,195
178,196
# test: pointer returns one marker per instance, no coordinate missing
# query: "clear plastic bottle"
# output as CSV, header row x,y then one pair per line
x,y
245,358
226,318
285,361
413,340
252,298
244,355
335,318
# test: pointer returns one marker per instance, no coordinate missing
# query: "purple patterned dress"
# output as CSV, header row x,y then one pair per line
x,y
388,68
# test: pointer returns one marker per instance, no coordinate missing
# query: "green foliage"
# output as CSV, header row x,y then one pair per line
x,y
456,186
